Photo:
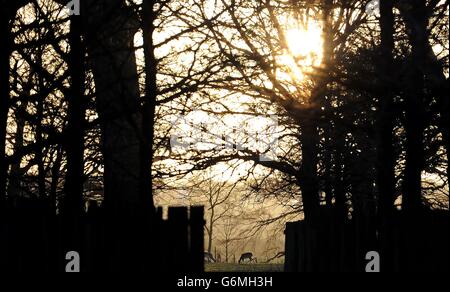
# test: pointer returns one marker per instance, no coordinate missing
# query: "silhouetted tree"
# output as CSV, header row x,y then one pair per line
x,y
72,206
415,115
386,116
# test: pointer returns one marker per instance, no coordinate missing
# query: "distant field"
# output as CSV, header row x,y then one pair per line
x,y
223,267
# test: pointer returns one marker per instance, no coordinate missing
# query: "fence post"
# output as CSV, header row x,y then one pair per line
x,y
197,223
291,247
178,239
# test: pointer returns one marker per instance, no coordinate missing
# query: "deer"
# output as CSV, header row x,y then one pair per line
x,y
247,256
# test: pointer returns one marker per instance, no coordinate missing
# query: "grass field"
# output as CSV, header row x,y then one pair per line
x,y
223,267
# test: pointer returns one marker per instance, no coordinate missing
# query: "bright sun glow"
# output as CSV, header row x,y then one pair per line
x,y
305,50
306,43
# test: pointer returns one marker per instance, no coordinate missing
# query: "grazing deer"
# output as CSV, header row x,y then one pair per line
x,y
247,256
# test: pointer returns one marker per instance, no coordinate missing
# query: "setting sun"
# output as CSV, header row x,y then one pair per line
x,y
304,51
306,45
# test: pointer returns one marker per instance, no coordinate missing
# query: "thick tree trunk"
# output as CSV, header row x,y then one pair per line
x,y
5,50
149,106
73,200
386,115
412,197
385,142
72,204
110,47
309,139
111,50
148,109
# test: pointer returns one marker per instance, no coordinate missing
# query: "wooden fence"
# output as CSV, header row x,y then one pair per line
x,y
33,238
415,243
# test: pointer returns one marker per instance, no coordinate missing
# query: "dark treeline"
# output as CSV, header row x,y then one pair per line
x,y
85,126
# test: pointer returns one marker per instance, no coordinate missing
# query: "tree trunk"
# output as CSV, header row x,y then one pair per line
x,y
73,200
110,47
210,231
39,133
385,142
386,116
412,197
149,106
147,124
226,250
72,204
310,186
111,50
5,50
55,178
14,189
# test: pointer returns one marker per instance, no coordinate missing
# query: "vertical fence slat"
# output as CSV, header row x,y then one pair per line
x,y
178,222
197,239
